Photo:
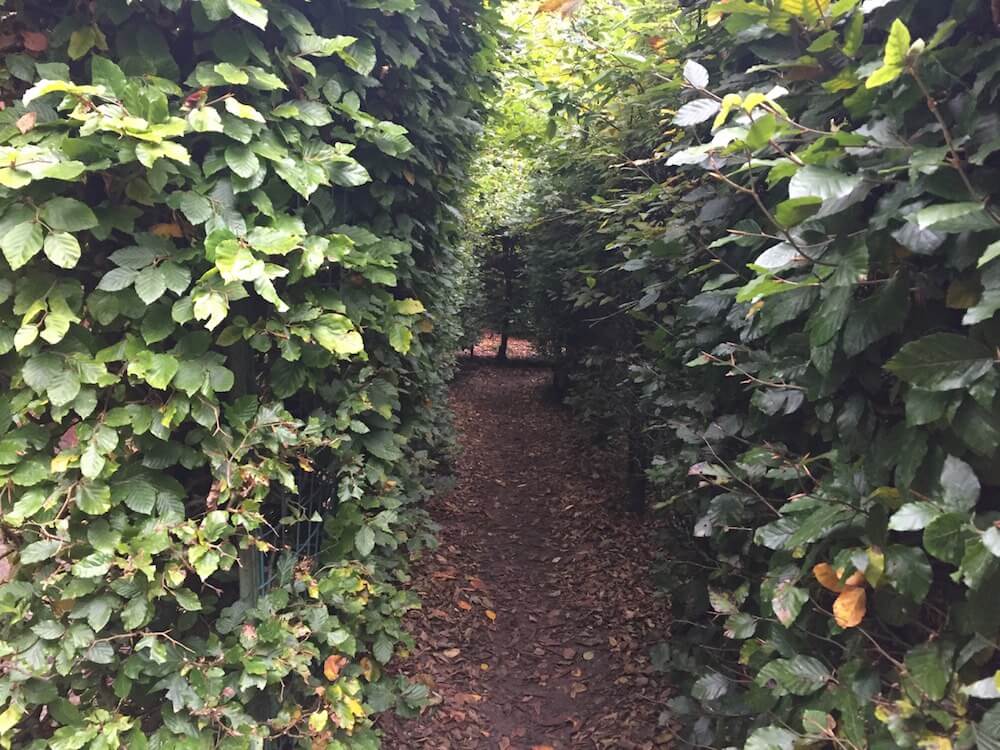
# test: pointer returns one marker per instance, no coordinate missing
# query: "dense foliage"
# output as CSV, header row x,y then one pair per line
x,y
226,318
767,251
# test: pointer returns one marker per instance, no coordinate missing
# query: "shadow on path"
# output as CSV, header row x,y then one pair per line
x,y
538,610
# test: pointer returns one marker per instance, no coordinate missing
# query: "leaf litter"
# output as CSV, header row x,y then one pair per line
x,y
539,610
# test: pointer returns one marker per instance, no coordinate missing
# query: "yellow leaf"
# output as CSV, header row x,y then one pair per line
x,y
934,742
828,577
317,722
850,607
491,615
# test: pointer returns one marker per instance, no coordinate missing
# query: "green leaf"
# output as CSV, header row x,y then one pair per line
x,y
992,253
91,462
788,601
81,41
93,498
696,112
696,74
770,738
959,484
336,334
908,571
955,217
187,600
740,626
364,541
196,208
913,516
94,565
800,675
231,74
242,160
941,362
68,215
62,248
37,552
710,687
929,667
250,11
945,537
821,182
150,284
21,243
897,49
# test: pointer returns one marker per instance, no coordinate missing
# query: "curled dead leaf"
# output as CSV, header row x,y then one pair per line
x,y
857,578
491,615
333,665
828,577
850,607
464,605
26,122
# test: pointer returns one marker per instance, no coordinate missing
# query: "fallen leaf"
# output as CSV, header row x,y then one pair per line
x,y
850,608
26,122
542,747
491,615
451,653
333,665
588,655
462,604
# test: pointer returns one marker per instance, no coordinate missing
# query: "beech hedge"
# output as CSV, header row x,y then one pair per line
x,y
792,205
225,324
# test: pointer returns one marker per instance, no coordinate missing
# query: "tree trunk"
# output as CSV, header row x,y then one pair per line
x,y
504,339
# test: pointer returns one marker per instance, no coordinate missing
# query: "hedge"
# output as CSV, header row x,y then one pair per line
x,y
225,322
792,206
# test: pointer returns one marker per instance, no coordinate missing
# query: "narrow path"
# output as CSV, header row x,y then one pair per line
x,y
538,613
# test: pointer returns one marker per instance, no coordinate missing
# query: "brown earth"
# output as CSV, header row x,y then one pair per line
x,y
538,612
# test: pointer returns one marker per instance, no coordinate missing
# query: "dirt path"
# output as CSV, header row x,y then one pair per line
x,y
538,613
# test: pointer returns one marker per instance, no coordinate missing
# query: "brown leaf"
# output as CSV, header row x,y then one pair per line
x,y
333,665
26,122
850,607
828,577
462,604
565,8
167,230
35,41
69,439
857,578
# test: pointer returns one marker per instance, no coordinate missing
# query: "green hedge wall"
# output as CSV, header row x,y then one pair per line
x,y
225,325
796,212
